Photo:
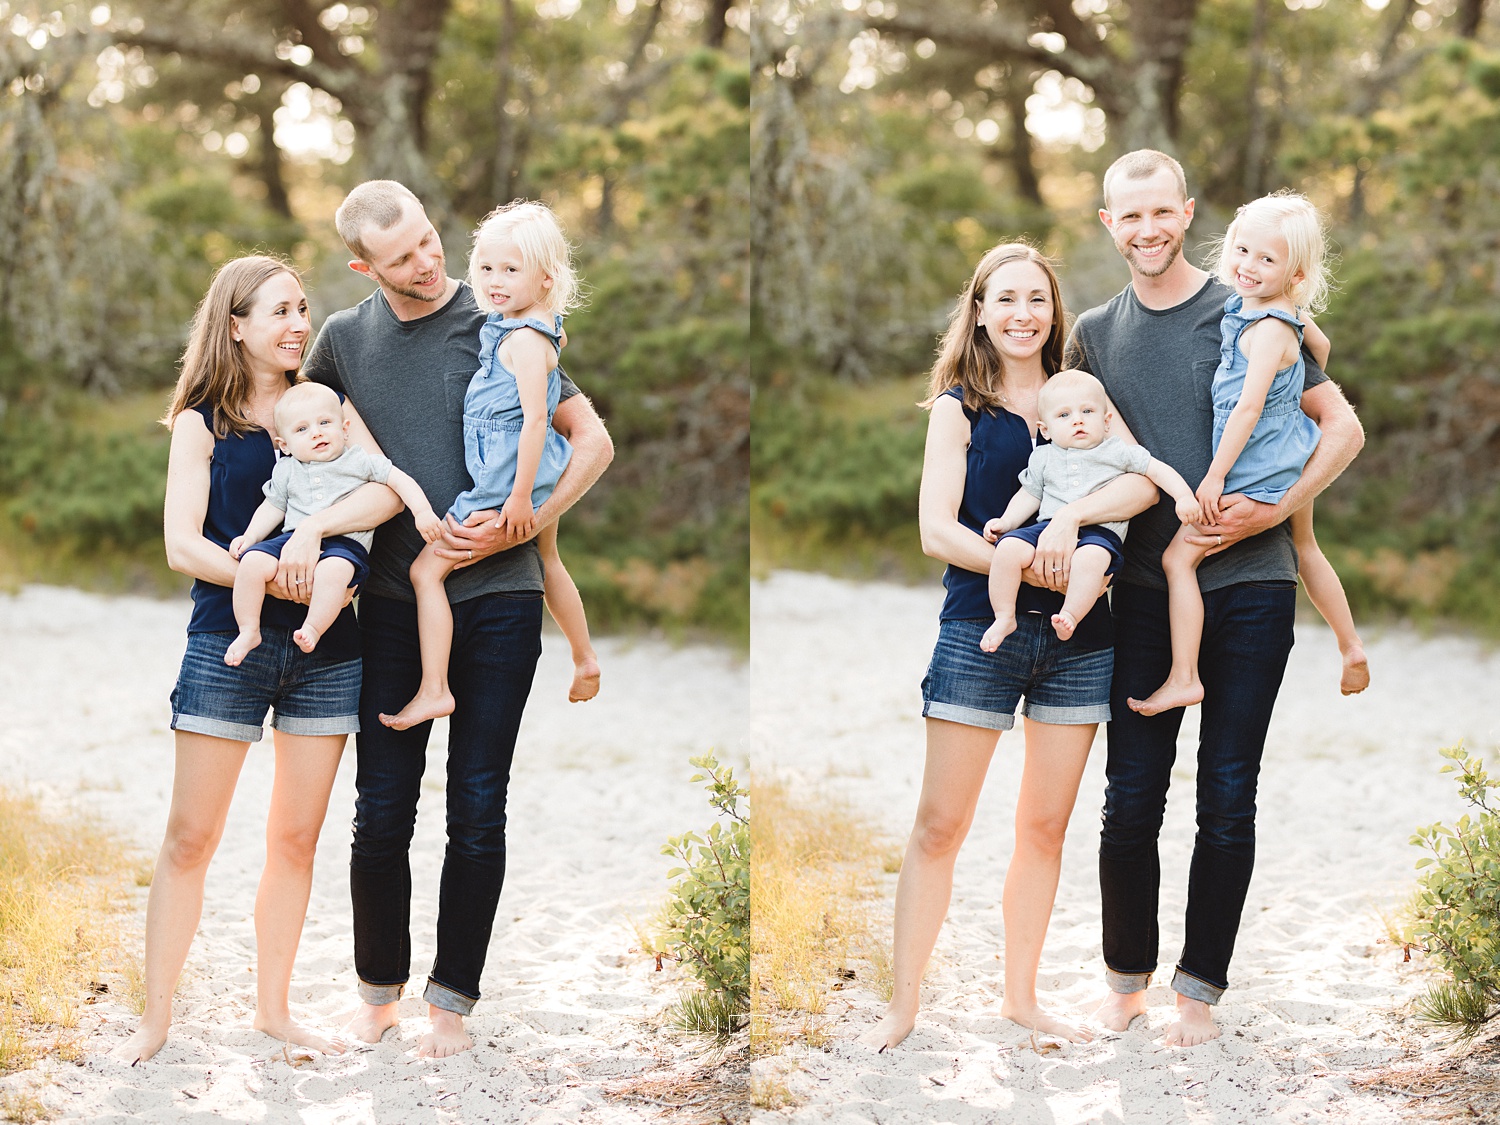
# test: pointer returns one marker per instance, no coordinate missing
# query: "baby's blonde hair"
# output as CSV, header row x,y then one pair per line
x,y
1070,379
539,236
1300,223
296,395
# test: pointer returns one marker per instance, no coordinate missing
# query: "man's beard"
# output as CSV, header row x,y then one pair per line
x,y
1160,266
411,291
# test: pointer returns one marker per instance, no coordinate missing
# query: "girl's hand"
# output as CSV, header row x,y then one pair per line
x,y
1189,510
1208,495
993,529
517,514
429,525
237,547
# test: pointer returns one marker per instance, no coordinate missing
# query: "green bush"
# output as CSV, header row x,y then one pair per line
x,y
708,916
1456,909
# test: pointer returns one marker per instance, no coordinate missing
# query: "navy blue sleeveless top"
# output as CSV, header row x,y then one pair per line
x,y
999,447
240,466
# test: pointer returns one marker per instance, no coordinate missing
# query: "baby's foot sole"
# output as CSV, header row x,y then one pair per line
x,y
1063,624
307,638
995,635
585,681
1356,674
419,710
240,648
1168,697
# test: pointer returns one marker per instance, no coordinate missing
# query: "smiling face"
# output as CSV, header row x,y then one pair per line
x,y
310,423
1257,262
273,332
503,282
1148,220
1017,310
1073,411
407,258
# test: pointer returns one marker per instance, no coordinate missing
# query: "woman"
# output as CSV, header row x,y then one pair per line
x,y
1004,340
244,351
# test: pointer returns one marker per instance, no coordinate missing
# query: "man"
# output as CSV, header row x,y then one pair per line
x,y
1155,348
404,356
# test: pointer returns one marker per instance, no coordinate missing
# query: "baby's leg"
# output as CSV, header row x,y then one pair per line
x,y
434,637
1185,603
1011,557
255,570
566,608
331,579
1085,581
1327,593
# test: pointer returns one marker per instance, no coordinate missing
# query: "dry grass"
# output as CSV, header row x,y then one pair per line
x,y
817,869
1462,1087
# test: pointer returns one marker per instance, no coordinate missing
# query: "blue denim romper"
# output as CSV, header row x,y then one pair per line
x,y
1284,437
493,419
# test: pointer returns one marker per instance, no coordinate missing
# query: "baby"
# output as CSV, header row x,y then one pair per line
x,y
1074,416
321,470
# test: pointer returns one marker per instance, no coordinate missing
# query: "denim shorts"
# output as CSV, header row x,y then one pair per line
x,y
1062,683
313,694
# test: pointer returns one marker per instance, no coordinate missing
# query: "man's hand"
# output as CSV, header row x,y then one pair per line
x,y
478,537
1239,518
1054,553
294,573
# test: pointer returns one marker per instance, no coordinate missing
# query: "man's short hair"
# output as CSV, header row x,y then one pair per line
x,y
1142,164
378,203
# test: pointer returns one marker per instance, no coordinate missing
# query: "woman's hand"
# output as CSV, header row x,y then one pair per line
x,y
1054,552
299,558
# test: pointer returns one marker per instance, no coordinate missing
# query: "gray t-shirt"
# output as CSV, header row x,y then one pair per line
x,y
1157,366
302,488
407,380
1058,476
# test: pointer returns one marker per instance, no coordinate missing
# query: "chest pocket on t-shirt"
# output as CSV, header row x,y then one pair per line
x,y
1203,384
455,387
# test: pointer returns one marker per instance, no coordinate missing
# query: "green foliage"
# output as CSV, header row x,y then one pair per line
x,y
1456,910
708,915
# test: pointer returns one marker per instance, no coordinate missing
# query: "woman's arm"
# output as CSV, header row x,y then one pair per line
x,y
945,467
530,356
188,551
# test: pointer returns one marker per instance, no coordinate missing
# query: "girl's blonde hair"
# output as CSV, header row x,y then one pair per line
x,y
967,357
1300,223
214,368
538,235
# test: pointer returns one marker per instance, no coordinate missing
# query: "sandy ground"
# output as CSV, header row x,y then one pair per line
x,y
571,1008
1315,993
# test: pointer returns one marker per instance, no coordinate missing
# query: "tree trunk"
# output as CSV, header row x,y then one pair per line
x,y
506,125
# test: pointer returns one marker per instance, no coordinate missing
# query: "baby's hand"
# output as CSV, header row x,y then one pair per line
x,y
993,529
1189,510
237,547
429,526
518,514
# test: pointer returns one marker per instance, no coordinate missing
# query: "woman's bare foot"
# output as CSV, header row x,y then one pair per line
x,y
307,638
889,1031
995,635
447,1036
139,1047
1117,1009
290,1031
1038,1019
422,708
1063,624
241,646
1171,695
1356,675
585,680
372,1021
1194,1024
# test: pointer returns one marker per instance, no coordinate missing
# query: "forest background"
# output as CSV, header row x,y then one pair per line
x,y
144,143
892,144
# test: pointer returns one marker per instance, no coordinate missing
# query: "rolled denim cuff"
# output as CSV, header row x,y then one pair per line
x,y
441,996
380,993
1185,984
1126,982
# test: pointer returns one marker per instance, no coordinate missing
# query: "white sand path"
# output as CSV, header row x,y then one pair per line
x,y
836,702
568,1008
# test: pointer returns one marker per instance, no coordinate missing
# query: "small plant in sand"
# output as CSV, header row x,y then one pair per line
x,y
1456,908
707,919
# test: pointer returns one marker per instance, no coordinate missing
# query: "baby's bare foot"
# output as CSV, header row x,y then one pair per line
x,y
141,1046
1063,624
1117,1009
585,680
447,1036
298,1035
372,1021
307,638
1194,1024
241,646
1356,676
1169,696
1040,1020
995,635
891,1029
420,710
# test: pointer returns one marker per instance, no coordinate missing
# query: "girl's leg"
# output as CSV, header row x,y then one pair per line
x,y
331,579
1011,557
1055,757
1085,584
957,758
1327,593
305,768
566,608
1185,607
202,787
435,638
255,570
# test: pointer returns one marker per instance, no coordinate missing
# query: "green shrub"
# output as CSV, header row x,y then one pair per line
x,y
1456,909
708,916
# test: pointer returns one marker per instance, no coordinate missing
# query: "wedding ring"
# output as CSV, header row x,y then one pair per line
x,y
471,554
1220,538
301,583
1055,569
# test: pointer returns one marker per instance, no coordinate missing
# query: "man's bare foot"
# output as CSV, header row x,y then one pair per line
x,y
1168,697
1356,675
889,1031
422,708
1194,1024
1063,624
372,1021
447,1036
1038,1019
241,646
585,680
290,1031
307,638
1117,1009
139,1047
996,633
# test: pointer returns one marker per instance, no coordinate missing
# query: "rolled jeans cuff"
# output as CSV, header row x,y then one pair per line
x,y
441,996
380,993
1185,984
1126,982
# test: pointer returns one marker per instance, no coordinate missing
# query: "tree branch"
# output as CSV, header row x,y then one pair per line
x,y
228,50
998,34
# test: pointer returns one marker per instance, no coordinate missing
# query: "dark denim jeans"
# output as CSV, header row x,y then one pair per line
x,y
1247,637
496,643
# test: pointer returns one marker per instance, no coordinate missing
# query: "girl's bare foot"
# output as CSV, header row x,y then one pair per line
x,y
1172,694
585,680
1063,624
422,708
447,1036
996,634
1194,1024
1356,675
1039,1019
372,1021
307,638
290,1031
1117,1009
241,646
889,1031
141,1046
